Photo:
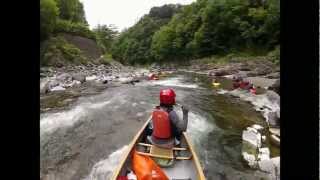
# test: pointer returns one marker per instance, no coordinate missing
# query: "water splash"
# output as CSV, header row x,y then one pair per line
x,y
175,82
103,169
52,121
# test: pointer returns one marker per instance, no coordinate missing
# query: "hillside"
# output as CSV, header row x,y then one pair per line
x,y
65,37
202,29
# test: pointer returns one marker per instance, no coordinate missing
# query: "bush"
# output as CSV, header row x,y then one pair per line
x,y
80,29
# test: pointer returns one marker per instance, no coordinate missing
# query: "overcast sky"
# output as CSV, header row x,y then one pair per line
x,y
121,13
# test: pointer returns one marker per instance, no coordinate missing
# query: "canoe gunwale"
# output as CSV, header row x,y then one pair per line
x,y
194,158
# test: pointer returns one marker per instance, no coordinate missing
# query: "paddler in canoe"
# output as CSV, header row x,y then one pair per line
x,y
161,150
166,127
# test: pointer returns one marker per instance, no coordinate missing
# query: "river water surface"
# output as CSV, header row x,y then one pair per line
x,y
86,139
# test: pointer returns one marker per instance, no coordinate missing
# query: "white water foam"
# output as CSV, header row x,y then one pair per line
x,y
198,126
103,169
52,121
176,82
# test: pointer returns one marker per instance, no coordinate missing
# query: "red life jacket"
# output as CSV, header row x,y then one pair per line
x,y
161,124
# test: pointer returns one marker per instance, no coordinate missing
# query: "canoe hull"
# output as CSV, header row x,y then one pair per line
x,y
195,170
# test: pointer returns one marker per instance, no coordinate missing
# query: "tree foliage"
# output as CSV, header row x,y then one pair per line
x,y
48,16
71,10
105,36
134,44
66,16
203,28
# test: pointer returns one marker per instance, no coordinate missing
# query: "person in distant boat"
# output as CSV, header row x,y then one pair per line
x,y
167,126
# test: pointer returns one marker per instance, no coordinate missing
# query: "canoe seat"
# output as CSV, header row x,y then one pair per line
x,y
158,152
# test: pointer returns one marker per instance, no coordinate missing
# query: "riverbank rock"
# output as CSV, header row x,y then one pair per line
x,y
58,88
275,140
257,127
275,86
264,154
275,131
251,142
79,77
276,163
262,70
273,97
64,77
260,81
250,159
266,166
275,75
273,119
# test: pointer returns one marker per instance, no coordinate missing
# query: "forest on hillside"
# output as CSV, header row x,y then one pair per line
x,y
173,32
204,28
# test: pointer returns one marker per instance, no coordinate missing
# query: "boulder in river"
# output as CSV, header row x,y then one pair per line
x,y
266,166
276,163
260,81
275,75
275,86
264,154
253,138
91,78
262,70
251,141
64,77
79,77
250,159
58,88
272,119
273,97
257,127
275,140
275,131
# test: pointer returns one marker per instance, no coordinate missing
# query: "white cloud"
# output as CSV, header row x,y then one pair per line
x,y
121,13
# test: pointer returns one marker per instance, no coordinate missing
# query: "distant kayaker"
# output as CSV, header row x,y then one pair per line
x,y
167,126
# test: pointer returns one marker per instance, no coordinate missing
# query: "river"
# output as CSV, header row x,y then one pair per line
x,y
86,139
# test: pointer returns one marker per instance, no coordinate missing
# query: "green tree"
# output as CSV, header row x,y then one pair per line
x,y
105,36
48,16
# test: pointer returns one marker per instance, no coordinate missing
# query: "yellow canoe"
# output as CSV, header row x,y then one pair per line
x,y
187,167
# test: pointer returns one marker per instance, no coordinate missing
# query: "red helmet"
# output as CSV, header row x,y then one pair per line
x,y
167,96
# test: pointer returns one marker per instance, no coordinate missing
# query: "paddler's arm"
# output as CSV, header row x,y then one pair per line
x,y
185,111
180,124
